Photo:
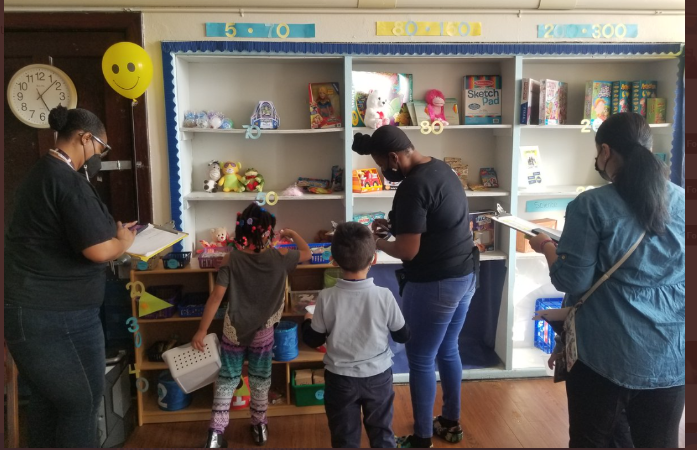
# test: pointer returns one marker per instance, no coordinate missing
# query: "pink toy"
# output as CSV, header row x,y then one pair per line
x,y
436,103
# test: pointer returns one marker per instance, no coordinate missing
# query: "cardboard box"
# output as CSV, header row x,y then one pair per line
x,y
529,102
552,106
621,96
325,105
483,231
656,110
522,244
598,102
318,376
303,377
481,98
642,90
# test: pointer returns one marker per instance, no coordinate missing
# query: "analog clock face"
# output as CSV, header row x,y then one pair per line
x,y
36,89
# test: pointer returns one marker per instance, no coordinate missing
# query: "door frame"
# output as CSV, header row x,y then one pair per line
x,y
132,25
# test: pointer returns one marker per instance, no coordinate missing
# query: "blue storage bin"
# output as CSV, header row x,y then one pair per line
x,y
170,397
544,335
320,252
285,341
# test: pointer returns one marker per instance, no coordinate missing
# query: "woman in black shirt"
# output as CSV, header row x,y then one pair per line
x,y
56,247
430,222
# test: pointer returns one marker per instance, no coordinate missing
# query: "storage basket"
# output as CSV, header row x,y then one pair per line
x,y
321,253
212,258
170,294
139,264
193,305
192,369
544,335
176,260
306,395
300,299
169,395
285,337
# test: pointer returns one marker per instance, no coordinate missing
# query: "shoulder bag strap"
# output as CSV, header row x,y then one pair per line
x,y
609,273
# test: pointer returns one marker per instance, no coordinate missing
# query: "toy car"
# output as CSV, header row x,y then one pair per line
x,y
366,180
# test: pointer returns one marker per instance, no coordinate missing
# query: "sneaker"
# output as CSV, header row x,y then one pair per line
x,y
215,440
408,442
452,434
260,433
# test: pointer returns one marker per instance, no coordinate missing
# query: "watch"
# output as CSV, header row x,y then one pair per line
x,y
36,89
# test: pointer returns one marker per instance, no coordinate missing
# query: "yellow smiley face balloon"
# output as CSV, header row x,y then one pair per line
x,y
127,68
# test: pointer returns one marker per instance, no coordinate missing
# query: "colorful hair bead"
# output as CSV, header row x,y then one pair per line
x,y
250,221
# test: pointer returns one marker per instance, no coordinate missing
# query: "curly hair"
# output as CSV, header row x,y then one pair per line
x,y
254,228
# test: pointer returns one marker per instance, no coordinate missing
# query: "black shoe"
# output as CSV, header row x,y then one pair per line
x,y
215,440
412,441
260,433
452,434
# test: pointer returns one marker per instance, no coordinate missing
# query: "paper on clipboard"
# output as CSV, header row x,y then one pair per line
x,y
152,240
528,228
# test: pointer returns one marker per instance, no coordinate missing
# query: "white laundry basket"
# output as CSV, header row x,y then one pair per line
x,y
192,369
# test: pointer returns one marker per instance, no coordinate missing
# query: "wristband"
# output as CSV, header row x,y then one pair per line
x,y
545,242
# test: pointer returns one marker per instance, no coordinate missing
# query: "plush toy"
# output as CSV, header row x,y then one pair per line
x,y
232,181
435,106
220,236
210,186
215,119
202,119
293,191
189,119
375,111
253,180
214,170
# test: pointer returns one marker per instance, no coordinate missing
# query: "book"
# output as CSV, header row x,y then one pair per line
x,y
550,103
483,232
621,96
151,240
325,105
656,110
481,97
598,101
530,161
641,91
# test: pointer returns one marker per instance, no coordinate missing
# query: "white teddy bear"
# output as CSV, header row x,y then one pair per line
x,y
376,115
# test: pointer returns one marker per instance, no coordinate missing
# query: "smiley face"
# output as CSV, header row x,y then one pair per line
x,y
127,68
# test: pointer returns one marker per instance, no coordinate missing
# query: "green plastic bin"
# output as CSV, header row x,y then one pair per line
x,y
306,395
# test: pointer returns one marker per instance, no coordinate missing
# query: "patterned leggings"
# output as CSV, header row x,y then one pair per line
x,y
232,358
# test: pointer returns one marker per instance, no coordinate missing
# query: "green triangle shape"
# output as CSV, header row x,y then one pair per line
x,y
244,390
148,304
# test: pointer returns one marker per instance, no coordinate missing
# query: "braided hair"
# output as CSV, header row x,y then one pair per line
x,y
254,228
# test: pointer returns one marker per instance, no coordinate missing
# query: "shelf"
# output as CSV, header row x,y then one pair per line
x,y
367,130
384,258
491,192
175,318
530,255
306,266
529,358
279,131
578,127
159,270
552,191
251,196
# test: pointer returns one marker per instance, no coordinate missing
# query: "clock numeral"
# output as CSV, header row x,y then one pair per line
x,y
23,86
20,96
30,78
42,117
32,112
40,76
24,106
62,96
58,86
50,78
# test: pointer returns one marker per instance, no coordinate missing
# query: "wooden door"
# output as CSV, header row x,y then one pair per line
x,y
75,43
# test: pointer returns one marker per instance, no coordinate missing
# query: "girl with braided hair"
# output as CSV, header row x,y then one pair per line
x,y
252,280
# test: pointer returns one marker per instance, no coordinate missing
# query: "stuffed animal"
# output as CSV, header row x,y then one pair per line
x,y
253,180
232,181
210,186
436,106
220,236
214,170
375,111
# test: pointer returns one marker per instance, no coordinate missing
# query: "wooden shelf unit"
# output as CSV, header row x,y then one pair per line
x,y
195,279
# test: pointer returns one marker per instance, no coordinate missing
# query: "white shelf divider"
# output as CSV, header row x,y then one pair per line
x,y
391,193
551,191
366,130
251,196
384,258
578,127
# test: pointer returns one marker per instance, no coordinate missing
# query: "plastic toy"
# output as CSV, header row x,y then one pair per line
x,y
325,105
366,180
307,183
293,191
189,120
337,179
265,116
214,170
253,180
202,119
435,105
232,181
210,186
227,124
215,119
375,110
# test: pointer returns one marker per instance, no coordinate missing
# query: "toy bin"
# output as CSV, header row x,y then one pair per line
x,y
321,253
300,299
141,265
285,345
306,395
330,277
176,260
544,335
170,294
193,305
192,369
170,396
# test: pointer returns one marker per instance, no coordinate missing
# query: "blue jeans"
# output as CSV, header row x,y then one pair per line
x,y
435,313
60,355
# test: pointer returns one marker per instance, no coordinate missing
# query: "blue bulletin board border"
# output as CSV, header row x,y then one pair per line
x,y
172,48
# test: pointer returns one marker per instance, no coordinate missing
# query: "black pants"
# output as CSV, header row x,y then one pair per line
x,y
343,399
596,404
60,355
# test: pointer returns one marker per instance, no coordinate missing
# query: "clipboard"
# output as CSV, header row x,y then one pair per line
x,y
152,239
522,225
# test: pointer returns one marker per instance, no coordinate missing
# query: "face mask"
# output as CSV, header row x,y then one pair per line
x,y
602,172
392,175
92,166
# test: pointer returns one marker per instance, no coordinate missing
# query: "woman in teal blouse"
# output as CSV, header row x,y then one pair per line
x,y
631,331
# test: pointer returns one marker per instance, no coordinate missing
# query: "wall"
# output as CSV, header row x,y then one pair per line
x,y
357,27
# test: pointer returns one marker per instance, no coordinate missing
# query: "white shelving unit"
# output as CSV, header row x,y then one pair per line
x,y
234,83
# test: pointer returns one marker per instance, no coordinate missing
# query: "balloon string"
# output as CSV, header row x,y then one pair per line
x,y
135,158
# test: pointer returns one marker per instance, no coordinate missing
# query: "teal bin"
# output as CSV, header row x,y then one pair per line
x,y
306,395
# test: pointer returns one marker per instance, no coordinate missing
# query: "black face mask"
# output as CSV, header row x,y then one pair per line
x,y
392,175
92,166
602,172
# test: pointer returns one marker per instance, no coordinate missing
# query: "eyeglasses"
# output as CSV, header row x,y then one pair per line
x,y
106,146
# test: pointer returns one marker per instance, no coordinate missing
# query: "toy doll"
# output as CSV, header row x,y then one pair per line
x,y
232,181
436,106
324,103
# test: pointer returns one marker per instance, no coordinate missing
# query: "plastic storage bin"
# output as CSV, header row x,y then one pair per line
x,y
544,335
171,294
285,345
330,277
192,369
193,305
306,395
176,260
300,299
320,252
139,264
170,396
212,258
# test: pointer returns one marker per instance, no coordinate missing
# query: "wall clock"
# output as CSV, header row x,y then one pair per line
x,y
36,89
